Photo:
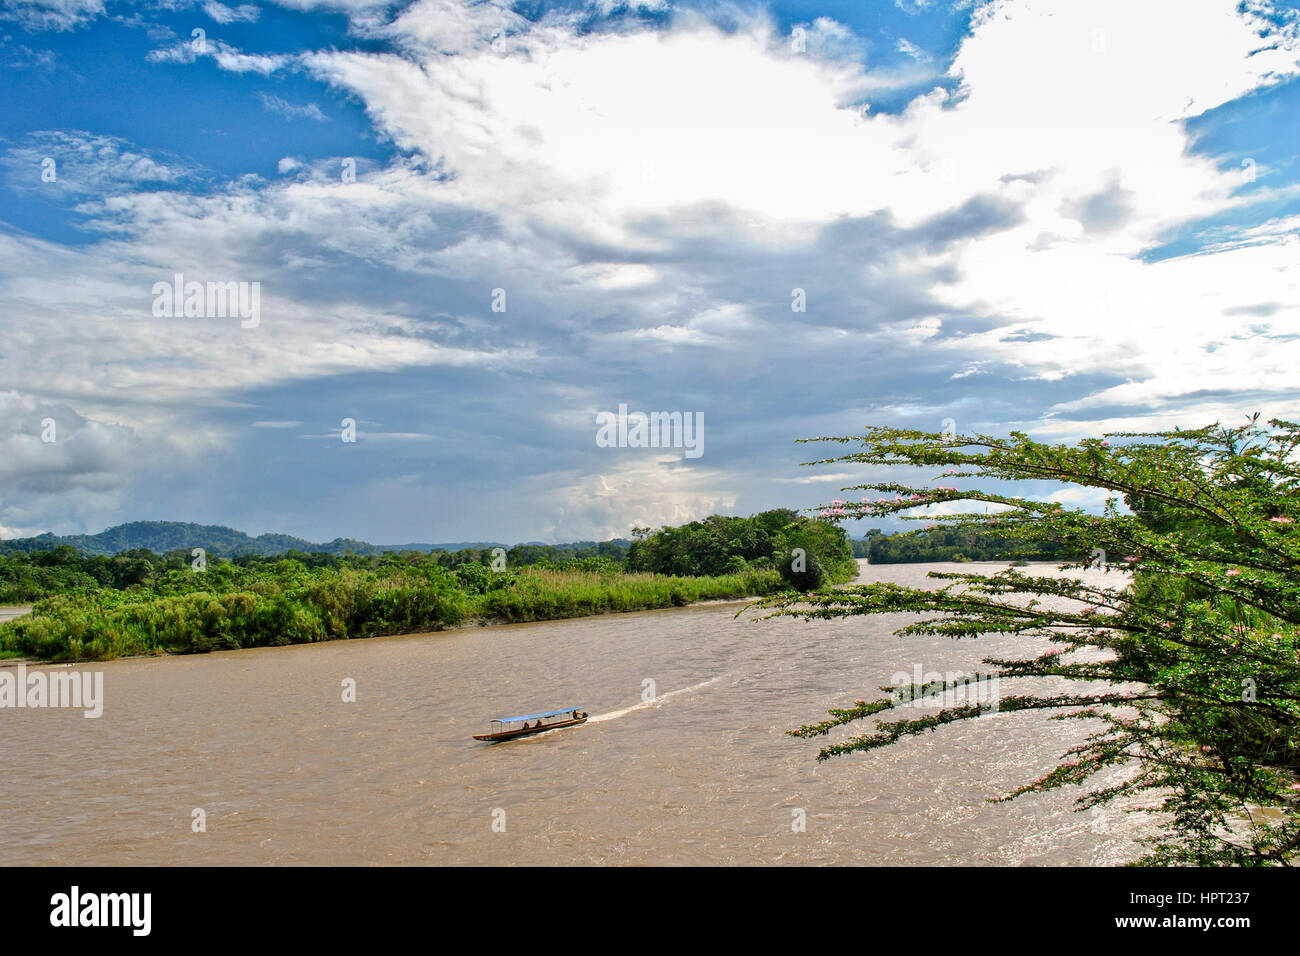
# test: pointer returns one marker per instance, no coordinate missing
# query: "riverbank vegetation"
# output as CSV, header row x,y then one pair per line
x,y
27,577
934,544
807,553
1187,671
96,607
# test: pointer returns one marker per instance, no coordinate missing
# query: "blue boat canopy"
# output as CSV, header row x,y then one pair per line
x,y
549,713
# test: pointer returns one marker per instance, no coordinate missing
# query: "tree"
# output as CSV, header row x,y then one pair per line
x,y
1190,669
810,554
709,547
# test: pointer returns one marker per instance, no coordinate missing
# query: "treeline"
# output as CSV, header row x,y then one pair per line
x,y
90,607
30,577
807,553
27,577
715,546
164,537
948,544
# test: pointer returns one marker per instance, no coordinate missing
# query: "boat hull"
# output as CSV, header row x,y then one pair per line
x,y
512,734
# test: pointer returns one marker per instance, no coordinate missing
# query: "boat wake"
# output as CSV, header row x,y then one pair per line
x,y
646,704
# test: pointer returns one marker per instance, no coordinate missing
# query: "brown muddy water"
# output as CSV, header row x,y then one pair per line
x,y
287,772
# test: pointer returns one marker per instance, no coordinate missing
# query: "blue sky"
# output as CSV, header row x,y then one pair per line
x,y
1055,217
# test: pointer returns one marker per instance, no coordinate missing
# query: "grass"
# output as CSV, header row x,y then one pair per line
x,y
542,595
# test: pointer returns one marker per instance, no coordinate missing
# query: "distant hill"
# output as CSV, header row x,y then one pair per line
x,y
217,540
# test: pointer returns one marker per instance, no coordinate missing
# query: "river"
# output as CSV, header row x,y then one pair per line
x,y
285,771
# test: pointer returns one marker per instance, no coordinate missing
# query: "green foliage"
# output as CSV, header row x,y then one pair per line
x,y
281,603
473,578
523,555
1189,670
90,608
810,554
544,594
725,545
862,546
953,544
803,574
705,547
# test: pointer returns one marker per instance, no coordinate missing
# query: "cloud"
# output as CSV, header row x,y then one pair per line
x,y
56,462
55,15
245,12
50,448
634,492
23,57
291,110
227,57
68,163
910,49
828,38
1103,211
650,199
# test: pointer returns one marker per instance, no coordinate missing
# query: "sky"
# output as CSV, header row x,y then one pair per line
x,y
474,227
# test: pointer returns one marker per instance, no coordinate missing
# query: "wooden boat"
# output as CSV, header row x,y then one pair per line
x,y
508,728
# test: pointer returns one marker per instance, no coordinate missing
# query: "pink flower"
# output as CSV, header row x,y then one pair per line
x,y
824,514
1280,520
837,502
1233,573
